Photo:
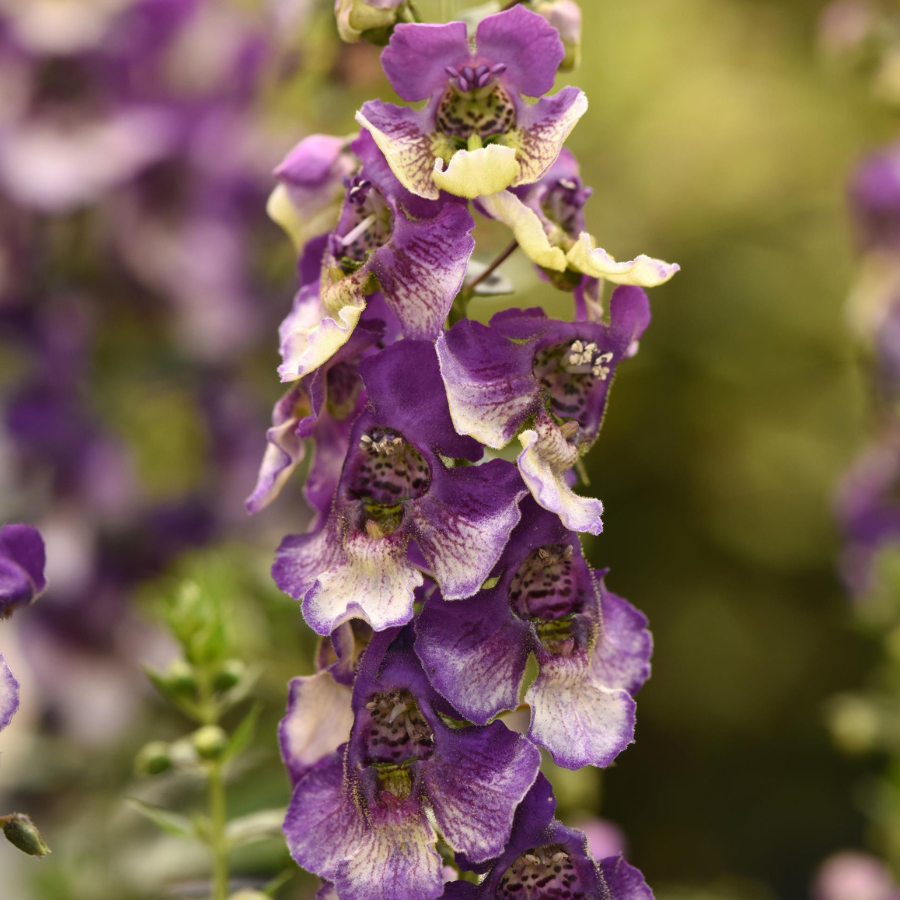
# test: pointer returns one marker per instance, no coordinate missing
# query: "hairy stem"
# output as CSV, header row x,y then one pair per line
x,y
502,258
461,303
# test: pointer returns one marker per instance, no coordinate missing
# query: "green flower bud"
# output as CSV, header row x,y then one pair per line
x,y
210,741
180,677
357,19
565,17
153,759
230,673
21,832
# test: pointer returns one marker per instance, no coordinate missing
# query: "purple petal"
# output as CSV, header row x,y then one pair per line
x,y
629,313
417,56
545,127
621,658
22,561
9,693
475,784
578,719
624,881
527,44
423,266
323,824
317,162
474,651
489,381
404,135
285,448
331,441
406,392
464,521
318,721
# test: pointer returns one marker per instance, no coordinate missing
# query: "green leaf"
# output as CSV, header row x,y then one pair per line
x,y
171,822
243,734
255,826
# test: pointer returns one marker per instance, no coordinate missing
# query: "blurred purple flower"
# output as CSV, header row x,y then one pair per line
x,y
22,561
854,876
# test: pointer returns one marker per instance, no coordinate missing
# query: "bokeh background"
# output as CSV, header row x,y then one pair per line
x,y
140,290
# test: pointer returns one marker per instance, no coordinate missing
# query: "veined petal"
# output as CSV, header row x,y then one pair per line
x,y
477,173
543,462
318,721
474,651
641,271
404,137
543,129
475,784
422,268
580,721
9,693
284,450
299,228
527,229
490,384
463,523
310,337
621,658
394,859
323,824
372,580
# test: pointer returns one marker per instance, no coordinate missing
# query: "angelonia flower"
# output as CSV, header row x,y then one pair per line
x,y
442,456
854,876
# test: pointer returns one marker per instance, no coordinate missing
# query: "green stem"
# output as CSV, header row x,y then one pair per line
x,y
218,815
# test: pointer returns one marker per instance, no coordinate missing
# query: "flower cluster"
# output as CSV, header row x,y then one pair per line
x,y
22,580
445,548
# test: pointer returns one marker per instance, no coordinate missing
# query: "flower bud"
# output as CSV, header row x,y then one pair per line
x,y
358,19
21,832
249,895
210,741
229,674
565,17
180,677
154,759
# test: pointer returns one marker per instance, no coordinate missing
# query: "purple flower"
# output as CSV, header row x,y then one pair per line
x,y
22,561
9,693
319,714
415,251
307,200
545,860
875,198
548,376
592,647
361,818
399,484
321,406
854,876
867,510
547,219
477,135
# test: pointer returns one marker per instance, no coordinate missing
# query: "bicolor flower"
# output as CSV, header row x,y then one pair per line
x,y
22,561
545,860
592,647
546,381
319,714
399,484
9,693
477,134
307,200
547,219
358,19
414,251
366,819
321,406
